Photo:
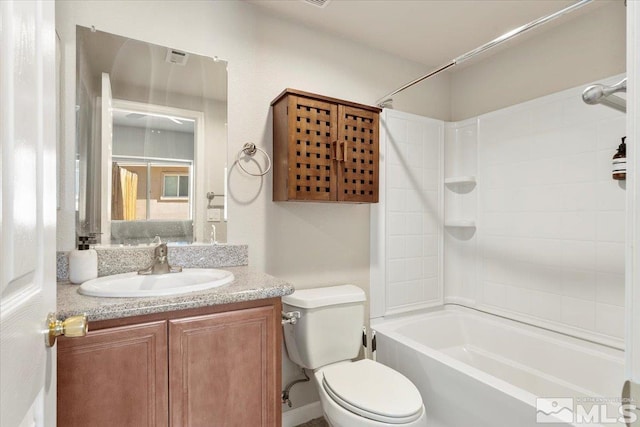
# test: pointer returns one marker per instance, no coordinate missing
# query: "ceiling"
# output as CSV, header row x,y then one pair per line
x,y
430,32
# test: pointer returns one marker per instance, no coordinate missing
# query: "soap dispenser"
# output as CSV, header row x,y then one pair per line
x,y
620,161
83,262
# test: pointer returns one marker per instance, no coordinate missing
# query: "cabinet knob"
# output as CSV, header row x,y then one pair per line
x,y
73,326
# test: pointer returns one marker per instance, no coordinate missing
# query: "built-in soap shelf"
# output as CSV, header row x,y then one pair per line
x,y
460,223
460,180
460,188
460,184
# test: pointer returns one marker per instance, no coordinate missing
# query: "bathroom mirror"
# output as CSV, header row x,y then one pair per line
x,y
151,142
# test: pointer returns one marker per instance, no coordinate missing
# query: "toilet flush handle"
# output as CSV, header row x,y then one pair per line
x,y
290,317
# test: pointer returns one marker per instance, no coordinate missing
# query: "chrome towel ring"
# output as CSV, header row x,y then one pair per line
x,y
250,149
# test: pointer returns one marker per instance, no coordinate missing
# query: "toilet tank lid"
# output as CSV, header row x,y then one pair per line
x,y
321,297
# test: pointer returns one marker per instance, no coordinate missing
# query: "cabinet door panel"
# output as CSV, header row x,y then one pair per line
x,y
114,377
358,173
223,369
312,132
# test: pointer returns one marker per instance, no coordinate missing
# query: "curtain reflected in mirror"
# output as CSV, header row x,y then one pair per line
x,y
124,196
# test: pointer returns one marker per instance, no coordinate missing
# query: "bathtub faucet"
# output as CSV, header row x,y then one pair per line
x,y
160,262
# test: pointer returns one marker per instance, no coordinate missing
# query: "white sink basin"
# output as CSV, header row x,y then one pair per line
x,y
135,285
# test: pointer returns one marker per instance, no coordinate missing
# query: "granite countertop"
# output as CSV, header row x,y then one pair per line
x,y
248,285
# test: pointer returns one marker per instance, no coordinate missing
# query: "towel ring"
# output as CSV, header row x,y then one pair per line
x,y
250,149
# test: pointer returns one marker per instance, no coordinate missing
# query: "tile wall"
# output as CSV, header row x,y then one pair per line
x,y
551,221
409,216
531,223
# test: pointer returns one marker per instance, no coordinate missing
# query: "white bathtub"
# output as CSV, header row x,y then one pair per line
x,y
478,370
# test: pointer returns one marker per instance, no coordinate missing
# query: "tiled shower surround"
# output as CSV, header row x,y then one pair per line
x,y
549,245
552,238
412,211
533,224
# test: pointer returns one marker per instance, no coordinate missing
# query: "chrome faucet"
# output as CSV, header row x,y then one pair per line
x,y
160,264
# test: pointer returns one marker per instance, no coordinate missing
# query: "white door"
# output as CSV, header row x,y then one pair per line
x,y
632,300
28,220
104,160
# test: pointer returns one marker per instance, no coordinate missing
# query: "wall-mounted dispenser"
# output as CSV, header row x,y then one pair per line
x,y
619,170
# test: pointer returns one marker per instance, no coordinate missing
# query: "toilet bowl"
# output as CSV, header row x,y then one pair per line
x,y
368,394
326,338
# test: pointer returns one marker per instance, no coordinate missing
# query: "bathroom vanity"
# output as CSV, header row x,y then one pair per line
x,y
207,358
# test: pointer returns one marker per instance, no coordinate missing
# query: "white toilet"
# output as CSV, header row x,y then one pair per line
x,y
325,339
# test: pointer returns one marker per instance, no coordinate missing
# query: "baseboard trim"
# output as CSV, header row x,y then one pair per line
x,y
302,414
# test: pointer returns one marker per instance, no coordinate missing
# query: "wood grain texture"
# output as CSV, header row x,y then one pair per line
x,y
329,99
177,314
114,377
119,374
324,149
280,145
312,127
358,172
224,369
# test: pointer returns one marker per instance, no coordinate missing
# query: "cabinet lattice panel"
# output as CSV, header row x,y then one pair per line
x,y
324,149
312,157
358,174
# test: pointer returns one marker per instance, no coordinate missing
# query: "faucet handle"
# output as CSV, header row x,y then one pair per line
x,y
156,240
161,250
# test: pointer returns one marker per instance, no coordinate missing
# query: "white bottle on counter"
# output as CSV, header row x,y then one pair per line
x,y
83,263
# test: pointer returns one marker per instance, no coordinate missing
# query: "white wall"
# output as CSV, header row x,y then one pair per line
x,y
306,243
584,48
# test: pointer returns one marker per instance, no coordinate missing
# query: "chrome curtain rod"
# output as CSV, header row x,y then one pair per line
x,y
495,42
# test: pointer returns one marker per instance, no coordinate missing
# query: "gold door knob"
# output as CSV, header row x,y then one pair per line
x,y
73,326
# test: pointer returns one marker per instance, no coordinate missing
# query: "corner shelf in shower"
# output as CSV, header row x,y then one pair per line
x,y
460,180
460,223
462,184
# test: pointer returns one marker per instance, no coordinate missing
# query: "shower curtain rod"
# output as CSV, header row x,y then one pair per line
x,y
495,42
601,94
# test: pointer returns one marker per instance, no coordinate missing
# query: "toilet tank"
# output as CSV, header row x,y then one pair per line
x,y
330,326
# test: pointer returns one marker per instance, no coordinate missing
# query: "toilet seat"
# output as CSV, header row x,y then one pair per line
x,y
373,391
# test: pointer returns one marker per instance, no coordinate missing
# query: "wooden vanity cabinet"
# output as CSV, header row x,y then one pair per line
x,y
324,149
214,366
114,377
233,385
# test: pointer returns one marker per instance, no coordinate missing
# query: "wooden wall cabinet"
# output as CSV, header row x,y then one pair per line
x,y
324,149
202,367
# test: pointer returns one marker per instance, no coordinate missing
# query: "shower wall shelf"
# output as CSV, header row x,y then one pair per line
x,y
460,180
460,223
